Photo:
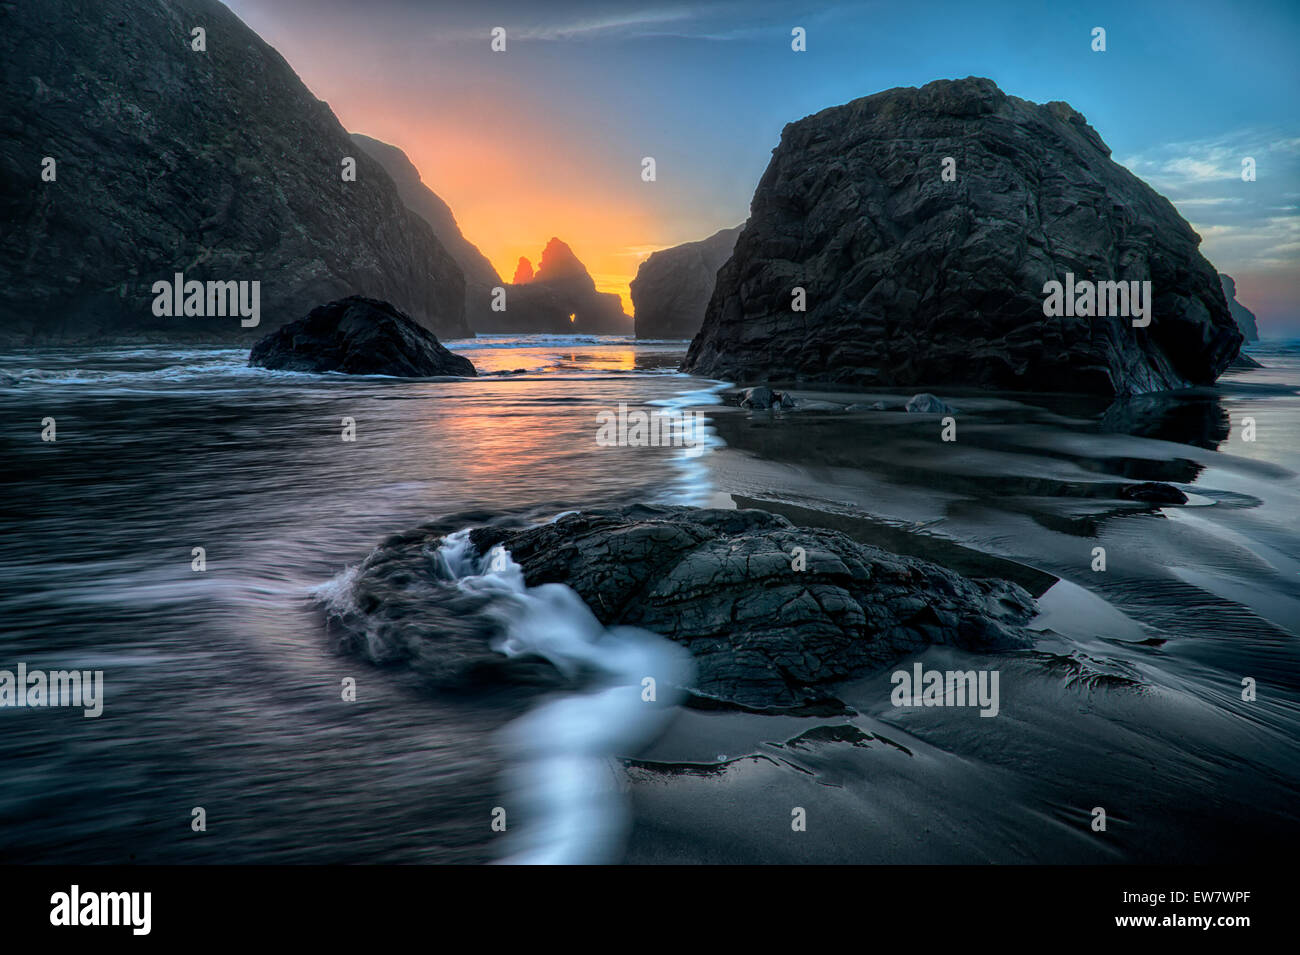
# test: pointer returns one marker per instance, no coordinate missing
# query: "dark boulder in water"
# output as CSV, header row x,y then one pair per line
x,y
764,398
926,403
724,583
358,336
911,278
1153,492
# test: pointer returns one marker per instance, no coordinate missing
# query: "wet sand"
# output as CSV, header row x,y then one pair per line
x,y
1131,700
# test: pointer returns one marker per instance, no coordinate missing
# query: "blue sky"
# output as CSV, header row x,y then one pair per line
x,y
547,138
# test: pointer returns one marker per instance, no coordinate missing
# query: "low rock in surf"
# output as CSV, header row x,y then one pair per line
x,y
1153,492
772,613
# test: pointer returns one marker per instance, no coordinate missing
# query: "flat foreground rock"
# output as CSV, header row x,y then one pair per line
x,y
723,583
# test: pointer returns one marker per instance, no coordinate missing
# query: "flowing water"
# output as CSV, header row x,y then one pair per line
x,y
222,691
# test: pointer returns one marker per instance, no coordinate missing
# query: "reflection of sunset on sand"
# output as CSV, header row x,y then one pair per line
x,y
514,432
605,360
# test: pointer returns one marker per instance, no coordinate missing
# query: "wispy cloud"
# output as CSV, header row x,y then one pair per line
x,y
1262,245
1209,201
594,28
1244,226
728,20
1180,167
723,21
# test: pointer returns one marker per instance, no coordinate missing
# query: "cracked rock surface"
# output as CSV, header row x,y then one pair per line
x,y
722,583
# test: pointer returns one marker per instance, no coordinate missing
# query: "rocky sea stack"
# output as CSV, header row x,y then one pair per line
x,y
560,297
1243,316
915,278
764,629
358,336
673,286
215,163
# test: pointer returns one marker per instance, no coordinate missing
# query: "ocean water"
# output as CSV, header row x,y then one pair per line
x,y
222,690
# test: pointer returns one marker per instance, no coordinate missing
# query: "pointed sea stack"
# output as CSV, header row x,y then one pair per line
x,y
559,298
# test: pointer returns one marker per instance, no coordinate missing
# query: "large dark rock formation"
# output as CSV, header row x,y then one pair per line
x,y
912,280
673,286
721,582
559,298
220,165
1243,316
358,336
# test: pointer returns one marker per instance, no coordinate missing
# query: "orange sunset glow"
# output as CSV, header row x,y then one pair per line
x,y
510,196
502,159
546,138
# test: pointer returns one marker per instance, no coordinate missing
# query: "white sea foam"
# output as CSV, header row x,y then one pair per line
x,y
564,780
694,484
